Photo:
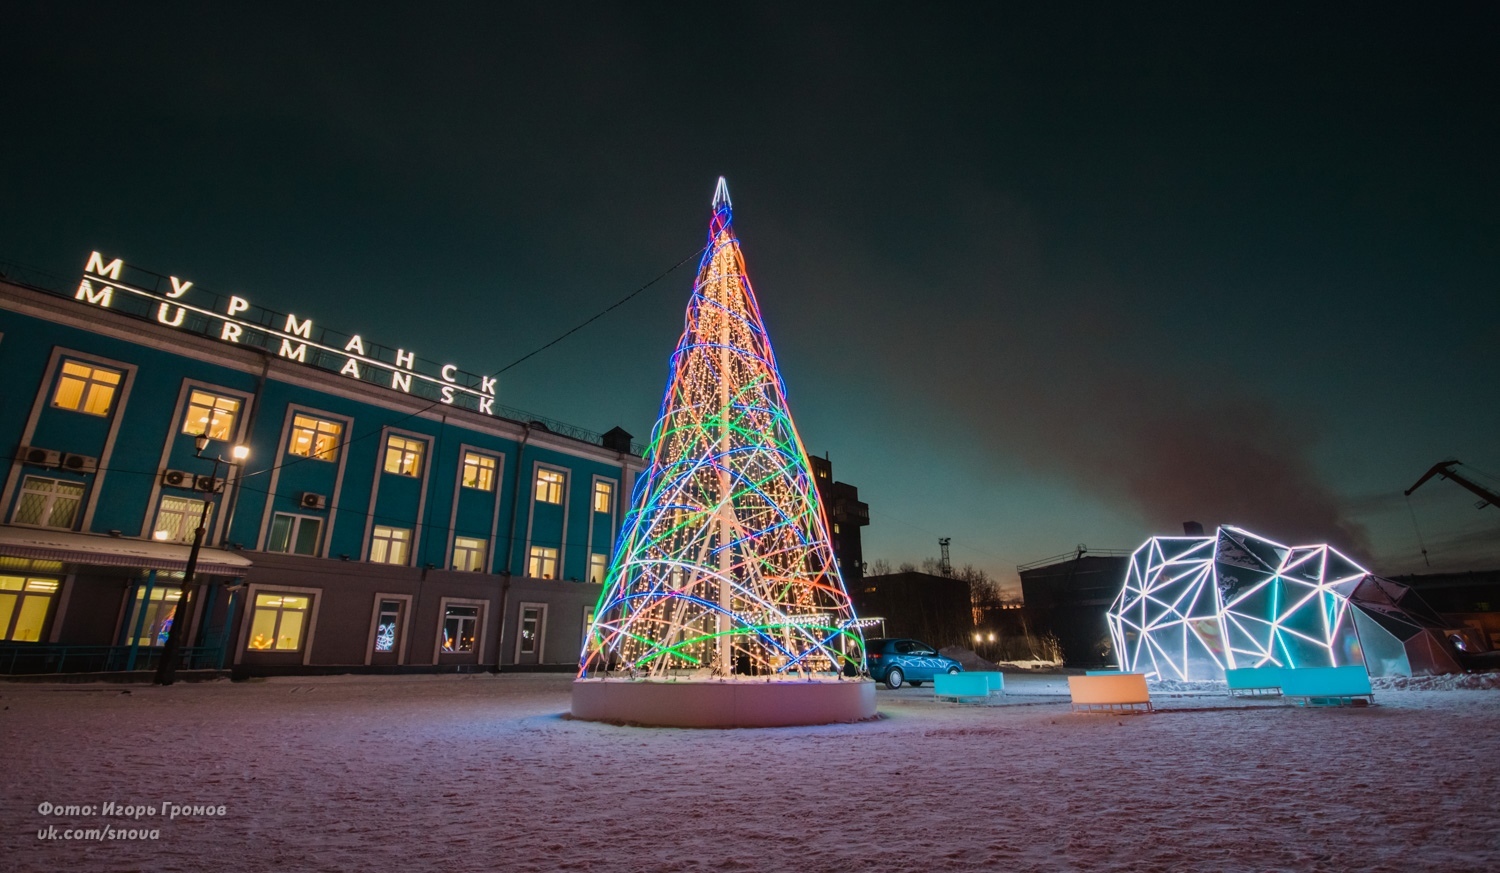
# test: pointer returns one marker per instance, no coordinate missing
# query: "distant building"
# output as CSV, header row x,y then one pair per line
x,y
1467,599
1069,595
846,515
933,609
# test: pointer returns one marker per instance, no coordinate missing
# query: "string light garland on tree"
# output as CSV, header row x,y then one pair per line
x,y
724,564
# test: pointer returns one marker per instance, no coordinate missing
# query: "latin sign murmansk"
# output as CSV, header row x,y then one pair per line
x,y
234,320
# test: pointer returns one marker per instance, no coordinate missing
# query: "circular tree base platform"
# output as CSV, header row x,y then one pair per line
x,y
729,704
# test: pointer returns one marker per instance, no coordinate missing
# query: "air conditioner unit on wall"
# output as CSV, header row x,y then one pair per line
x,y
40,457
177,479
80,463
207,483
310,500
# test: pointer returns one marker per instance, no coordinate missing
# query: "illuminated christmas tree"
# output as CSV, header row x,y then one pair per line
x,y
724,565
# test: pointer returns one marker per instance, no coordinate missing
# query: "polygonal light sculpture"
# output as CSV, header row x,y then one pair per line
x,y
1192,607
1167,616
1286,605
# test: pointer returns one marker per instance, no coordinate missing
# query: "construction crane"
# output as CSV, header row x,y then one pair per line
x,y
1446,471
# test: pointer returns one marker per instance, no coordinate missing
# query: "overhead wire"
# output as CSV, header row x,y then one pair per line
x,y
1420,544
436,403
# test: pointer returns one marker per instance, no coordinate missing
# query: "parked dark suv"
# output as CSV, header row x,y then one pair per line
x,y
906,661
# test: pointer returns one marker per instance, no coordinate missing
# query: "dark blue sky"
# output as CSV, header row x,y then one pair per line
x,y
1036,277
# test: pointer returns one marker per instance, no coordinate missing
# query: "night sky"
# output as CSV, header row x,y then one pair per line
x,y
1035,276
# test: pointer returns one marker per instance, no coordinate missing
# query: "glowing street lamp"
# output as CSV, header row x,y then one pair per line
x,y
166,669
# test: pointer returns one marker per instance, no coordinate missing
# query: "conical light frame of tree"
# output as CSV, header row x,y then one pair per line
x,y
724,564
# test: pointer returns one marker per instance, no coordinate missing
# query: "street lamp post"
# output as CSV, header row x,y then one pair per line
x,y
166,669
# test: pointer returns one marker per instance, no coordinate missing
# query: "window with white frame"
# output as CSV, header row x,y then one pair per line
x,y
278,622
604,496
390,545
48,502
388,625
313,437
403,455
295,534
479,471
468,554
459,626
177,519
86,388
598,566
549,486
531,629
211,414
543,564
25,604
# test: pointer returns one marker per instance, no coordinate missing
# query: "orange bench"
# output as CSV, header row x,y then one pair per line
x,y
1118,692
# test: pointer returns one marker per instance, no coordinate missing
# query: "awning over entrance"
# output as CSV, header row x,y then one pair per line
x,y
81,548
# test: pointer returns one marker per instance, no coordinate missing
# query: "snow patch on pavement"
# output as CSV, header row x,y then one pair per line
x,y
483,772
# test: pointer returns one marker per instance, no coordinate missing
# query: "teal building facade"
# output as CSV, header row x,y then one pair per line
x,y
389,515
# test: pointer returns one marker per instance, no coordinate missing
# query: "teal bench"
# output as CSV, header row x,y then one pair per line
x,y
961,685
1328,686
1255,681
996,680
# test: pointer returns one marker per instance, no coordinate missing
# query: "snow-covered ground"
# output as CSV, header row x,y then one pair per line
x,y
484,773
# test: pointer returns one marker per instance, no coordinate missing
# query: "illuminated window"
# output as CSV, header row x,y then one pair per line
x,y
388,625
315,438
468,554
211,414
177,519
48,502
390,545
278,622
531,629
543,563
479,471
159,610
25,604
86,388
296,534
549,486
459,624
403,455
604,496
598,566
